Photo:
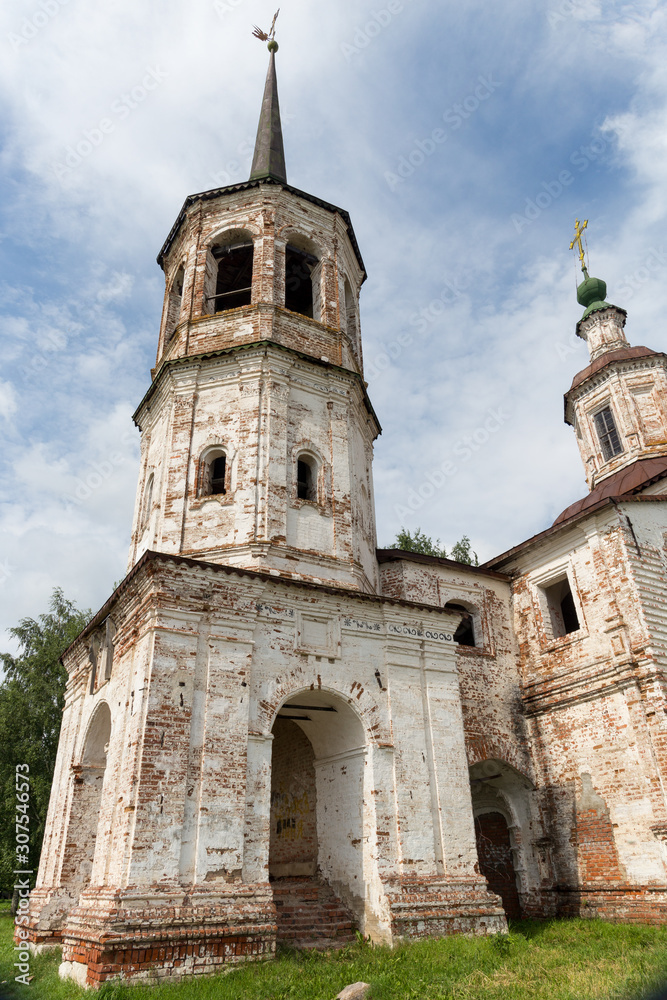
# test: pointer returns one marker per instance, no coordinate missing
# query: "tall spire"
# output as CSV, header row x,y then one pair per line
x,y
269,158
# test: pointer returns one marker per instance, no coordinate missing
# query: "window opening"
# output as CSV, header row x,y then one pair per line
x,y
465,632
299,281
233,287
174,302
148,501
608,434
306,483
218,468
562,611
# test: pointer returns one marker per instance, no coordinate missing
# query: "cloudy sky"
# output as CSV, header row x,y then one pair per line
x,y
463,138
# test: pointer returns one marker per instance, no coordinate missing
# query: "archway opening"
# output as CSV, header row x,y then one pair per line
x,y
501,801
84,814
317,803
496,862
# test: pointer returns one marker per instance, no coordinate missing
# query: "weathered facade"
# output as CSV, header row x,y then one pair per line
x,y
270,718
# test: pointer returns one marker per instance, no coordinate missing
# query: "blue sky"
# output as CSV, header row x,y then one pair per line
x,y
462,138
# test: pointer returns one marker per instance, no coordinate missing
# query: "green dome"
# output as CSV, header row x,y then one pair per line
x,y
590,294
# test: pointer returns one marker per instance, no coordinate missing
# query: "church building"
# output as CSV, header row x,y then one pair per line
x,y
275,733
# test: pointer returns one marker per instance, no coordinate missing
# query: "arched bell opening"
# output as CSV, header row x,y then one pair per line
x,y
84,812
318,762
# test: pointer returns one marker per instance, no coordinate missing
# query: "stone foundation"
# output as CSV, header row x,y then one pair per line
x,y
112,935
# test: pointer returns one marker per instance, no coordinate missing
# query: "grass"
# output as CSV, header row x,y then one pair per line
x,y
549,960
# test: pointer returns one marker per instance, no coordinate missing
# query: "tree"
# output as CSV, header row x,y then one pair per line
x,y
420,542
461,552
31,703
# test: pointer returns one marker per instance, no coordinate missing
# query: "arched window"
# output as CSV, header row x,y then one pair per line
x,y
302,273
148,501
465,631
306,478
214,474
174,302
228,281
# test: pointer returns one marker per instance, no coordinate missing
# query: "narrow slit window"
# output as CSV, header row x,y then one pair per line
x,y
306,480
608,434
299,281
465,631
233,286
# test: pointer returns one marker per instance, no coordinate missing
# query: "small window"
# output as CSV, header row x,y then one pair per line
x,y
218,475
607,433
562,612
465,631
299,266
306,479
213,475
233,286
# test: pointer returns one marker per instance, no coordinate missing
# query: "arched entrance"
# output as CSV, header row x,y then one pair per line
x,y
85,805
496,863
501,801
316,846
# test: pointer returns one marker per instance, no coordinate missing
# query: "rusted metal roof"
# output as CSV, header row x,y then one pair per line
x,y
582,508
626,481
624,354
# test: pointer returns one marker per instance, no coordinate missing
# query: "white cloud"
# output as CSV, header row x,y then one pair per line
x,y
81,304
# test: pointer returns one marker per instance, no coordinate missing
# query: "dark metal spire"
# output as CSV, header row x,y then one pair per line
x,y
269,158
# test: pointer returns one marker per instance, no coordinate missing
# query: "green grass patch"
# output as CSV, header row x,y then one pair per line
x,y
549,960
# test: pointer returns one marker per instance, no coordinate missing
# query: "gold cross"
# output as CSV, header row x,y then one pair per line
x,y
578,232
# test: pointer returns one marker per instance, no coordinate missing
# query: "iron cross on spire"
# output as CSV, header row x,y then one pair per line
x,y
578,232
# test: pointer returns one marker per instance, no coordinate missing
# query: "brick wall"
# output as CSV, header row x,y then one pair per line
x,y
293,844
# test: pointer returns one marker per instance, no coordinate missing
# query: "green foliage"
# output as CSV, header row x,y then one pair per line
x,y
31,704
420,542
537,960
461,552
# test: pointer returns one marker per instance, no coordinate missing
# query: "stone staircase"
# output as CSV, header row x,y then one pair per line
x,y
310,915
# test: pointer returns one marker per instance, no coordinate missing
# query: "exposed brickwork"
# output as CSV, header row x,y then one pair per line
x,y
293,843
495,860
178,792
310,915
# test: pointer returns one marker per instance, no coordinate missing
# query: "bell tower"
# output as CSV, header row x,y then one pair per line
x,y
618,404
257,432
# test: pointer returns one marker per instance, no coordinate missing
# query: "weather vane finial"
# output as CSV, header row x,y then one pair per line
x,y
578,232
269,36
